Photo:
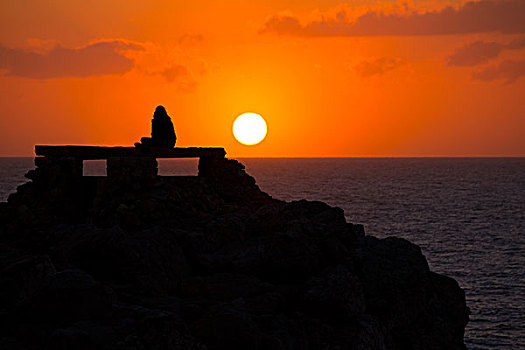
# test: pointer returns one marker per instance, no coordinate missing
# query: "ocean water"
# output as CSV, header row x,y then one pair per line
x,y
467,215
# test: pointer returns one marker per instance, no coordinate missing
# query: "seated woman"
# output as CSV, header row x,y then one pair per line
x,y
162,131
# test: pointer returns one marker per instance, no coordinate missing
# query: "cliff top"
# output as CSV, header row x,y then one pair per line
x,y
138,261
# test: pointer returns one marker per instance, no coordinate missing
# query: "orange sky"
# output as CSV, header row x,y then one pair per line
x,y
331,78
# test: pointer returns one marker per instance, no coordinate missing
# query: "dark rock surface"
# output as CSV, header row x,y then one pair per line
x,y
209,262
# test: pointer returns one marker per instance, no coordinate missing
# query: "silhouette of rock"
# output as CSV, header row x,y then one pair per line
x,y
162,131
69,295
207,262
23,276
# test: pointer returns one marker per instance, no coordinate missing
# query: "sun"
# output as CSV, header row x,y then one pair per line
x,y
249,128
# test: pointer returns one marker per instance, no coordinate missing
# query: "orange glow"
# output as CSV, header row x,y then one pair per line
x,y
323,94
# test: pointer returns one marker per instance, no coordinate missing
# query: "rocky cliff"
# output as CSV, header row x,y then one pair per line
x,y
208,262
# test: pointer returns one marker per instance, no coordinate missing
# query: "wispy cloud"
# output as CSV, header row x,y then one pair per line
x,y
378,66
481,52
505,16
179,75
174,72
98,58
508,70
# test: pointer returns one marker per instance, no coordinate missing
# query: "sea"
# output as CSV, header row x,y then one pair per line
x,y
466,214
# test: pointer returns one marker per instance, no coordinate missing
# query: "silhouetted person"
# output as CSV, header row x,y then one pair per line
x,y
162,131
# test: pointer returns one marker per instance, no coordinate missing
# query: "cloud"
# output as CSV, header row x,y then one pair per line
x,y
42,46
378,66
97,58
179,75
475,53
481,52
505,16
174,72
509,70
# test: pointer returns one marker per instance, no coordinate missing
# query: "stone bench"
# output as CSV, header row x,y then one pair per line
x,y
59,163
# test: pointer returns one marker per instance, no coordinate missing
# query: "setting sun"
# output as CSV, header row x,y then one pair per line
x,y
249,128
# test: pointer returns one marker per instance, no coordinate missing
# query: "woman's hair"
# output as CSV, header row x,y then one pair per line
x,y
160,113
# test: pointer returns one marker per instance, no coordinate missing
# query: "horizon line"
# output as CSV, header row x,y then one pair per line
x,y
346,157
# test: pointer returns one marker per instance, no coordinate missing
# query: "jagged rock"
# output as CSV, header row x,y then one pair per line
x,y
23,278
70,338
209,262
225,286
69,295
228,328
151,329
337,295
150,259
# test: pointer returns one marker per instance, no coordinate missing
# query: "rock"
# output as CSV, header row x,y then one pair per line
x,y
446,307
207,262
12,343
279,258
69,295
299,216
24,277
229,329
150,259
261,304
153,330
400,288
336,296
70,338
225,286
